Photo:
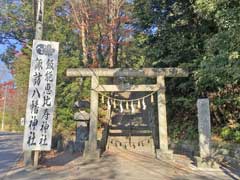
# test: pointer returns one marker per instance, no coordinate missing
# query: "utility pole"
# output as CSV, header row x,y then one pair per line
x,y
38,35
4,108
39,19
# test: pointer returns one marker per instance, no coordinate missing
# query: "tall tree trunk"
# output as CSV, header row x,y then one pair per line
x,y
115,58
111,50
111,35
83,40
80,16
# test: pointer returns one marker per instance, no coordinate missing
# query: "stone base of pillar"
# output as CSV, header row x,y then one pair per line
x,y
94,155
205,162
90,154
164,155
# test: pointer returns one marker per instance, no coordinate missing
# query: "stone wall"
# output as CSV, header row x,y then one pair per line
x,y
226,153
222,152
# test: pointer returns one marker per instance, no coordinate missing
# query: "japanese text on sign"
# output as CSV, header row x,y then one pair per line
x,y
41,95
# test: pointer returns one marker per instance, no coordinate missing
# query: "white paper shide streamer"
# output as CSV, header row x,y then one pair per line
x,y
109,104
121,107
143,104
127,107
128,104
139,104
132,107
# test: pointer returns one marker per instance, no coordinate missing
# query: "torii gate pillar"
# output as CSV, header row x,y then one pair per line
x,y
90,151
163,152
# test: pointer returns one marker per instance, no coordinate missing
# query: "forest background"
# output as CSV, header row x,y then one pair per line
x,y
199,35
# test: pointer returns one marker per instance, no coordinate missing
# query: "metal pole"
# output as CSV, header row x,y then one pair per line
x,y
4,108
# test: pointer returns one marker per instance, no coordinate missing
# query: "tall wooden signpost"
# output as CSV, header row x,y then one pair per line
x,y
41,93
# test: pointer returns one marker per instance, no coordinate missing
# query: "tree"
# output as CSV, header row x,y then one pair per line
x,y
16,22
201,36
57,27
218,73
101,29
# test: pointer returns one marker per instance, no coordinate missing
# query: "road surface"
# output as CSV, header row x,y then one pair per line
x,y
10,150
120,164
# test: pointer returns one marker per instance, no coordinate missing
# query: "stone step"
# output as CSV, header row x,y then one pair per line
x,y
132,139
138,144
119,132
129,130
113,127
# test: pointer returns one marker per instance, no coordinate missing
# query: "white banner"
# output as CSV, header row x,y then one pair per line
x,y
41,96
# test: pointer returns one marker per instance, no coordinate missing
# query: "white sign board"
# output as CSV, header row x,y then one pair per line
x,y
41,95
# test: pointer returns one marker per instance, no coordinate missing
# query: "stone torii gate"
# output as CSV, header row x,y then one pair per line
x,y
91,151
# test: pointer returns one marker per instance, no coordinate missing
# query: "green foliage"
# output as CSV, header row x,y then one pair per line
x,y
202,36
22,68
183,131
133,55
220,62
171,37
227,133
56,28
218,72
237,136
8,57
16,23
231,133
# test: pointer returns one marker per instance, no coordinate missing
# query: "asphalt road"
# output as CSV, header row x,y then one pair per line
x,y
10,150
